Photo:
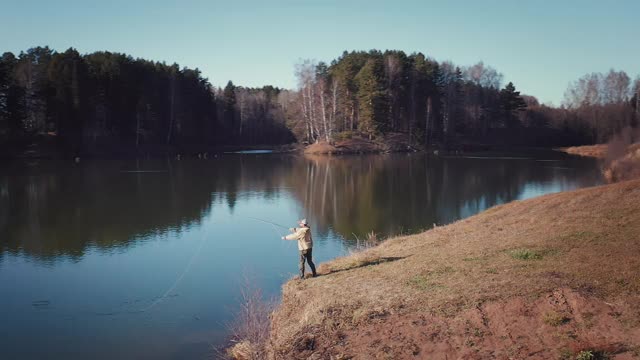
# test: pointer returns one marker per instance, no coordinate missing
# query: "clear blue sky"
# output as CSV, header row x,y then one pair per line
x,y
539,45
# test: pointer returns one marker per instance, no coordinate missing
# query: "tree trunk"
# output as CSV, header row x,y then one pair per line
x,y
324,114
427,133
334,104
172,113
412,114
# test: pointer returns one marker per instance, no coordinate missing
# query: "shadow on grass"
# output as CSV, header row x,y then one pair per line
x,y
358,263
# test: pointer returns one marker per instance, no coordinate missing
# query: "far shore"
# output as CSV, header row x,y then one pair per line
x,y
45,149
598,151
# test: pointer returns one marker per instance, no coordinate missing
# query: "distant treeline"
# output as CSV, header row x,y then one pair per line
x,y
112,103
438,103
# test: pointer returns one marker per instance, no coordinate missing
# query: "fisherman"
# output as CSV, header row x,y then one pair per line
x,y
305,245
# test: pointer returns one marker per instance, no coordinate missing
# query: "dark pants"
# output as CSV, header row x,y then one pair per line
x,y
306,255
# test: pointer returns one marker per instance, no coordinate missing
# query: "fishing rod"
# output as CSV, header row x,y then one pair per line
x,y
268,222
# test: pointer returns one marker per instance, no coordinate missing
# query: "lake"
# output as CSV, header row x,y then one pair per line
x,y
144,259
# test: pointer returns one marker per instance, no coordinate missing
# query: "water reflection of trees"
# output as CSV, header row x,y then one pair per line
x,y
406,193
47,211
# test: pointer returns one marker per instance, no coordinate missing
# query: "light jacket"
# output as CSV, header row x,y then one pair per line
x,y
303,235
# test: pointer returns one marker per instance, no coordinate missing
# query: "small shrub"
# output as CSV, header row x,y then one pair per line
x,y
422,282
585,355
345,135
555,318
444,270
566,354
592,355
371,240
478,258
526,254
250,327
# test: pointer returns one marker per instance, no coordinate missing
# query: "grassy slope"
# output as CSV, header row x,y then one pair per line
x,y
545,278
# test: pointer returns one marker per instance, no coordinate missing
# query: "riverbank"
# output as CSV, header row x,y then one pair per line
x,y
550,277
399,143
394,142
622,160
47,147
598,151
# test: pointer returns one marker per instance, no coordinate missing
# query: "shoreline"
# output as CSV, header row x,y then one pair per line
x,y
598,151
484,272
46,149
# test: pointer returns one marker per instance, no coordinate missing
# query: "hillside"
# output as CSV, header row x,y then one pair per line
x,y
551,277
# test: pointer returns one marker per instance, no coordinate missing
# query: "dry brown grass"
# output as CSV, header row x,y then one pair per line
x,y
622,158
321,147
597,151
626,167
251,325
392,142
586,241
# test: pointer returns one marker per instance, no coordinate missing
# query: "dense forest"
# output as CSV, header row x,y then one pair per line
x,y
437,103
111,103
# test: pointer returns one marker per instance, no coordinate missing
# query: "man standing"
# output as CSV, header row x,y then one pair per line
x,y
305,245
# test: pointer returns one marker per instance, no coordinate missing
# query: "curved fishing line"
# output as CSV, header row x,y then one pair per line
x,y
190,263
179,279
193,257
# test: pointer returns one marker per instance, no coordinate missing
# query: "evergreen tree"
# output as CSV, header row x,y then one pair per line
x,y
7,63
67,75
451,85
229,108
372,98
510,103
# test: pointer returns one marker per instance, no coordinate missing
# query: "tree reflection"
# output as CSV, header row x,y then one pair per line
x,y
47,211
402,193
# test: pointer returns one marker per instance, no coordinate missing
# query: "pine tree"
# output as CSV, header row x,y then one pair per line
x,y
7,63
450,83
510,103
372,98
229,108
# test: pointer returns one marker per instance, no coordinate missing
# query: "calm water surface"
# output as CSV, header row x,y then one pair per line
x,y
144,259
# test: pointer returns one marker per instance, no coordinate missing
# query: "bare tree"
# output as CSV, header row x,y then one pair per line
x,y
616,87
602,101
305,72
481,78
334,105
